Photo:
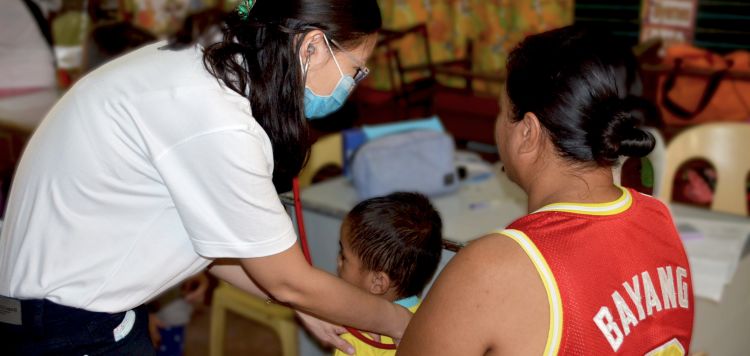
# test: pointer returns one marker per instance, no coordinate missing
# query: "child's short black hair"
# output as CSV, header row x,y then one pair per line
x,y
399,234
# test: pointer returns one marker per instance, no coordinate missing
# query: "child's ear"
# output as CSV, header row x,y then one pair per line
x,y
380,283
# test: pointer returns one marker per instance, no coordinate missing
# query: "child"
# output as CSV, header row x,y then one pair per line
x,y
390,247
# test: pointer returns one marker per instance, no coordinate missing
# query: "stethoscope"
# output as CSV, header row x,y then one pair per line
x,y
306,251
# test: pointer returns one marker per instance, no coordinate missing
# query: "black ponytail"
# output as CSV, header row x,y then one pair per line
x,y
615,131
579,83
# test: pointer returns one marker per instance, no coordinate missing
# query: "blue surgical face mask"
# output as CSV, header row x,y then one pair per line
x,y
317,106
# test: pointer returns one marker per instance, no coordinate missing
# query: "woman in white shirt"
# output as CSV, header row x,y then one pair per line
x,y
160,163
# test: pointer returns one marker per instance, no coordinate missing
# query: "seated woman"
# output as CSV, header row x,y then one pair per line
x,y
594,269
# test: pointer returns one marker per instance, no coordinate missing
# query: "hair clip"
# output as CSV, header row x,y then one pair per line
x,y
244,7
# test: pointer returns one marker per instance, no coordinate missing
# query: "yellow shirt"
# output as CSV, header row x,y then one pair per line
x,y
363,349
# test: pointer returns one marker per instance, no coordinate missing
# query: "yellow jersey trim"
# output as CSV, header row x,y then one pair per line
x,y
622,203
671,348
364,349
554,336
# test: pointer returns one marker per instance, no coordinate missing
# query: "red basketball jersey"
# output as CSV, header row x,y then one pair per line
x,y
616,274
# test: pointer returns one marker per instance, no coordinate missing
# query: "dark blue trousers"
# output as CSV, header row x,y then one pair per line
x,y
52,329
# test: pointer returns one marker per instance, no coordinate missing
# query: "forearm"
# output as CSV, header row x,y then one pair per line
x,y
322,294
232,272
290,280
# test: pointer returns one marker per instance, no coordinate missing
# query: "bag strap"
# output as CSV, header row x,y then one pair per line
x,y
681,112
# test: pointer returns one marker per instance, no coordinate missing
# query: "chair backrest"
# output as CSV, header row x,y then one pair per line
x,y
402,74
327,150
389,40
727,147
657,162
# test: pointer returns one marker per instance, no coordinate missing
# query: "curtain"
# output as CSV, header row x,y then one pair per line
x,y
494,27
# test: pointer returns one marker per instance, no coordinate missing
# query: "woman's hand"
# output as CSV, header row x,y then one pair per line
x,y
326,332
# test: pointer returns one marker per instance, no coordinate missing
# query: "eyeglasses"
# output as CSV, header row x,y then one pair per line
x,y
362,70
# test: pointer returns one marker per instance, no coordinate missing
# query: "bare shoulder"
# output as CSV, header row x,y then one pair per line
x,y
499,265
497,249
486,293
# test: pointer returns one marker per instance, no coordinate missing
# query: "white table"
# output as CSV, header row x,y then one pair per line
x,y
722,328
479,208
472,212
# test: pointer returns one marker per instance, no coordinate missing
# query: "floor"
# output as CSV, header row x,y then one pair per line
x,y
244,337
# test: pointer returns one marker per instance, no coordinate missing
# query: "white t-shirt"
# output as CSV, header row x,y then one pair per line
x,y
140,175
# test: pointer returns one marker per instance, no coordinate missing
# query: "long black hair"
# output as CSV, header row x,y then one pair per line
x,y
579,84
259,58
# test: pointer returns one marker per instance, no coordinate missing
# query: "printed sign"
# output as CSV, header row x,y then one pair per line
x,y
671,20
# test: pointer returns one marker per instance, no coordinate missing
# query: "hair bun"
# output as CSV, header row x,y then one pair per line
x,y
622,137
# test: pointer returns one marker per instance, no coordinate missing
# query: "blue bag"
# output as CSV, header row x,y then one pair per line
x,y
414,161
355,137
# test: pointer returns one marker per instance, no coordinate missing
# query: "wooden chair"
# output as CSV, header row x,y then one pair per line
x,y
276,317
327,150
727,147
414,85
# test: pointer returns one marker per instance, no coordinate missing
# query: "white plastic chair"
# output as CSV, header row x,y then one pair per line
x,y
726,146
